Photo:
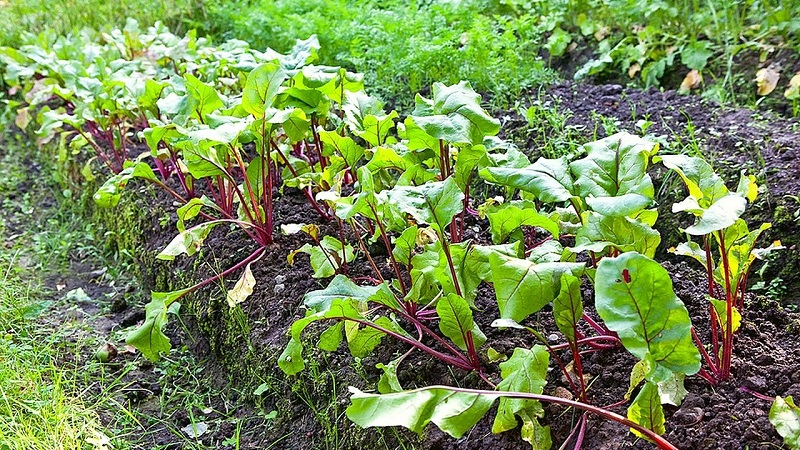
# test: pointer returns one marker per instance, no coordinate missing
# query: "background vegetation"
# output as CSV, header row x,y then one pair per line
x,y
501,46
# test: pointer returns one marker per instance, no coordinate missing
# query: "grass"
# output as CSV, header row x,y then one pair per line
x,y
41,405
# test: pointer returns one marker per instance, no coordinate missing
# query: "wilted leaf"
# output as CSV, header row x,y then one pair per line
x,y
242,289
693,80
766,80
793,91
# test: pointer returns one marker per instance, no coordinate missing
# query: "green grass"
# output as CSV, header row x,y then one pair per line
x,y
41,405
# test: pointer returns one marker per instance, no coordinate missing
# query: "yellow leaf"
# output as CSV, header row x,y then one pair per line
x,y
793,91
23,118
601,33
634,69
766,80
311,230
426,236
693,80
242,289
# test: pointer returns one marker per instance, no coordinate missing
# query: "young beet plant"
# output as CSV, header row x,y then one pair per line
x,y
724,234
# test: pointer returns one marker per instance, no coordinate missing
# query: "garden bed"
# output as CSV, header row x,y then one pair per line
x,y
318,244
723,417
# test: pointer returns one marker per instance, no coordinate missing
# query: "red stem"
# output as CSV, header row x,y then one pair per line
x,y
388,245
662,443
727,347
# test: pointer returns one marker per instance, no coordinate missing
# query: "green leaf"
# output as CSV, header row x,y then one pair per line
x,y
548,251
646,410
405,244
340,288
568,306
747,188
456,115
223,132
613,176
634,297
478,262
456,322
785,416
190,210
262,88
357,106
151,94
345,147
291,359
600,232
433,203
696,55
719,215
389,382
523,287
453,412
149,338
296,125
740,245
326,258
109,194
507,218
705,186
466,161
638,374
424,286
548,179
525,371
692,250
361,340
303,52
376,128
189,241
534,433
330,339
671,390
415,137
203,99
329,305
557,42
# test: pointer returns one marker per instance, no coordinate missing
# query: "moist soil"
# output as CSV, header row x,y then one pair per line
x,y
310,407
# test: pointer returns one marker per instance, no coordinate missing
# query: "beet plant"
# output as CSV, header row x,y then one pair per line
x,y
453,126
725,235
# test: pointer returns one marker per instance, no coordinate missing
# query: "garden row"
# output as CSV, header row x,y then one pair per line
x,y
225,131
